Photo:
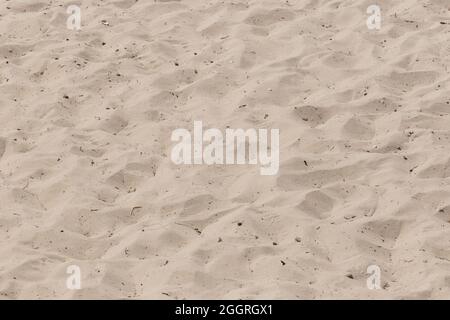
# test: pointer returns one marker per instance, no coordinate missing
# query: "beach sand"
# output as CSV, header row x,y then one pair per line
x,y
86,177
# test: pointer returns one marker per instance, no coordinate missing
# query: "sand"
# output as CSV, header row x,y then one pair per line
x,y
86,176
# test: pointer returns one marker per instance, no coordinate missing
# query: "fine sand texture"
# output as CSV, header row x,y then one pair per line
x,y
87,180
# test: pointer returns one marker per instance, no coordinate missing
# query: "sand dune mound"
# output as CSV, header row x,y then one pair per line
x,y
86,176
